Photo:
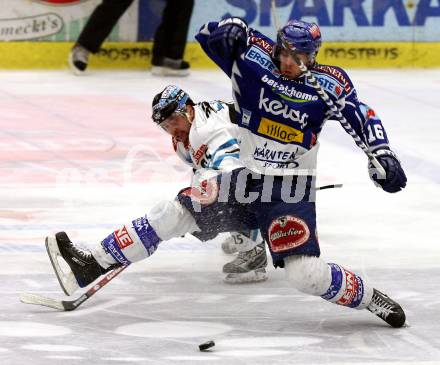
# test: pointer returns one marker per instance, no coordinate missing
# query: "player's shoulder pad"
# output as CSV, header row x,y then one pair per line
x,y
209,107
259,40
333,79
228,109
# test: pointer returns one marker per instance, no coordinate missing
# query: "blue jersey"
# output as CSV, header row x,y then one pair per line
x,y
280,118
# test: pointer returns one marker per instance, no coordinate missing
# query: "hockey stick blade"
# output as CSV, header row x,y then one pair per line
x,y
70,305
62,305
36,299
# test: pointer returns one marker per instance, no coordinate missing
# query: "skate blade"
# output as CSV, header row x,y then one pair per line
x,y
255,276
166,71
67,280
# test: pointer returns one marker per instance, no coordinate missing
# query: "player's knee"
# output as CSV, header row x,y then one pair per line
x,y
170,219
308,274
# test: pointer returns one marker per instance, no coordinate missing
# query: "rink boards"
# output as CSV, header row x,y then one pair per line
x,y
137,55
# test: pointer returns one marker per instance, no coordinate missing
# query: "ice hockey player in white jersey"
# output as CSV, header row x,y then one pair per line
x,y
207,140
204,137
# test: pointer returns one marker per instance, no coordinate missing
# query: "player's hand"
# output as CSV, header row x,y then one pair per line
x,y
395,179
224,38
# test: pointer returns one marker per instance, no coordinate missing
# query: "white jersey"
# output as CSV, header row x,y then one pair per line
x,y
213,139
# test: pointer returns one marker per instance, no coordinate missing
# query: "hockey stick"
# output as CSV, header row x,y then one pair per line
x,y
331,186
70,305
331,105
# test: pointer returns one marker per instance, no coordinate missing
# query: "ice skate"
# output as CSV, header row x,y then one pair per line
x,y
387,309
84,269
169,67
248,266
78,59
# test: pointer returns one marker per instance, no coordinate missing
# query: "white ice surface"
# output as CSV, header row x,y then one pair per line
x,y
81,155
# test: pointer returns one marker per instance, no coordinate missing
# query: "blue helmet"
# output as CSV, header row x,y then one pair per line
x,y
300,36
170,100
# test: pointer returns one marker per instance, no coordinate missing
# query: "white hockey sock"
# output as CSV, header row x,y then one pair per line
x,y
314,276
139,239
308,274
104,259
131,243
347,288
246,241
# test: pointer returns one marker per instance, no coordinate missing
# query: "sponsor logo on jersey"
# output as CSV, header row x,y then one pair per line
x,y
274,158
288,92
287,232
329,84
277,107
123,238
198,155
245,116
262,43
335,73
256,55
370,113
280,132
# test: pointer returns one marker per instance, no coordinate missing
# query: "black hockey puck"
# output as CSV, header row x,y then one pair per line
x,y
206,345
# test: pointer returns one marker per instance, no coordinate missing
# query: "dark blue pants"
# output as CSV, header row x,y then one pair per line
x,y
282,207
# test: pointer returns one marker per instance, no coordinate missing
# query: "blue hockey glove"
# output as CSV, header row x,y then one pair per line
x,y
395,179
225,40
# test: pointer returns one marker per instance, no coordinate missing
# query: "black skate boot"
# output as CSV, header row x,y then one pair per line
x,y
84,268
387,309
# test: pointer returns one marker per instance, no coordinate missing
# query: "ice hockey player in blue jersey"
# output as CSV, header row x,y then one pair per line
x,y
280,117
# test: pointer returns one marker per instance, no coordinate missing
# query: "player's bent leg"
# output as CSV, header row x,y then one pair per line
x,y
335,284
251,261
308,274
139,239
133,242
